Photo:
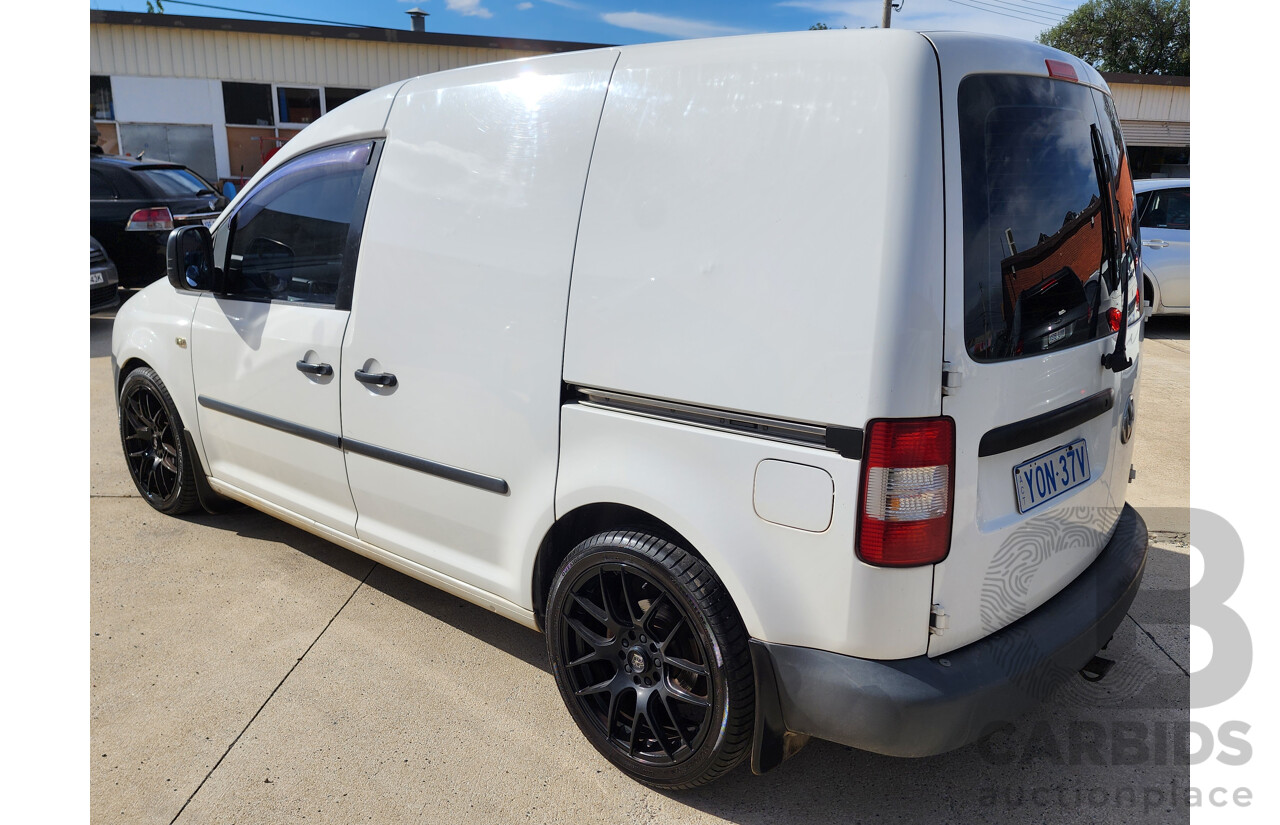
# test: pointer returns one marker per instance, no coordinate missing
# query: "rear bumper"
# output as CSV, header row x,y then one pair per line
x,y
923,706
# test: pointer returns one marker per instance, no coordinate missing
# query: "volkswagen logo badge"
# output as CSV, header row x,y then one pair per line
x,y
1126,423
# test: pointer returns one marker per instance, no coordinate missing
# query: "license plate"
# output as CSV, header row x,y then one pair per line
x,y
95,278
1044,478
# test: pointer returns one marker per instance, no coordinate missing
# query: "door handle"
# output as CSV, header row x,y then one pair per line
x,y
1155,244
376,379
314,369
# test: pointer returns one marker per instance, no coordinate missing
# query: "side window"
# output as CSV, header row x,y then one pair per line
x,y
99,187
1168,209
291,238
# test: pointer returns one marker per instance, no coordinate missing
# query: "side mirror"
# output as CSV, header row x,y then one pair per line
x,y
228,190
189,258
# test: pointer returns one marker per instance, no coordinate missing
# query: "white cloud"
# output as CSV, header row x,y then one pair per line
x,y
523,6
670,26
568,4
469,8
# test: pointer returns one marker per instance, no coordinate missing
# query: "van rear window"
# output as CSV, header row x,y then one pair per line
x,y
1034,253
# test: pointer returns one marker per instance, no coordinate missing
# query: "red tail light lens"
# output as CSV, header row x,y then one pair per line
x,y
1113,319
154,219
908,483
1061,69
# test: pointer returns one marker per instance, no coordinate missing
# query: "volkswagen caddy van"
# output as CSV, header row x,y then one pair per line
x,y
786,382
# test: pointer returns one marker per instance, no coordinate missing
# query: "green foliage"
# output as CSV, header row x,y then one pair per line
x,y
821,27
1137,36
158,8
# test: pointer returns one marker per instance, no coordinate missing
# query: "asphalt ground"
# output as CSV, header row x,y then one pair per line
x,y
244,671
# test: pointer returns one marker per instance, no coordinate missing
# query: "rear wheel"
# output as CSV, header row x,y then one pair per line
x,y
651,659
151,434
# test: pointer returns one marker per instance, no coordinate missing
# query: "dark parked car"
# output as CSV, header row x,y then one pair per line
x,y
133,205
103,279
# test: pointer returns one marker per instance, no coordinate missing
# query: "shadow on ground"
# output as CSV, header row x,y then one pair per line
x,y
483,625
1169,327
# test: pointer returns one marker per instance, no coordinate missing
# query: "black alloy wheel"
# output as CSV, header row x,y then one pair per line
x,y
651,659
151,434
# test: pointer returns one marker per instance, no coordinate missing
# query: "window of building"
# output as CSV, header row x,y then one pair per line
x,y
298,104
100,97
335,96
248,103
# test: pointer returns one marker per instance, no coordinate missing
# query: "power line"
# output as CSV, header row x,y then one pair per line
x,y
269,14
1003,14
1023,8
1051,6
1008,9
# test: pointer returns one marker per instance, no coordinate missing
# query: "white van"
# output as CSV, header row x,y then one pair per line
x,y
786,382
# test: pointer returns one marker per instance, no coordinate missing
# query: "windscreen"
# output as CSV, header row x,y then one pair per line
x,y
1037,225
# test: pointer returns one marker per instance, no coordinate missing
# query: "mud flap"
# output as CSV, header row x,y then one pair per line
x,y
209,500
773,744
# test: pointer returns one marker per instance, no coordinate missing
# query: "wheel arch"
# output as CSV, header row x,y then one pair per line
x,y
1150,288
580,524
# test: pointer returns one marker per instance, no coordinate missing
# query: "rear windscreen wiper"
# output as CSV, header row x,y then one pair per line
x,y
1117,360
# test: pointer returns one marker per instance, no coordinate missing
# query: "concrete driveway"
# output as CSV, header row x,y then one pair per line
x,y
244,671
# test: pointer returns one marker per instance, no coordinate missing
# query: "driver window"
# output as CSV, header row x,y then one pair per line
x,y
290,234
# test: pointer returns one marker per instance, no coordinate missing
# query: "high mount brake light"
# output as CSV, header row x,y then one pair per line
x,y
1061,70
153,219
908,485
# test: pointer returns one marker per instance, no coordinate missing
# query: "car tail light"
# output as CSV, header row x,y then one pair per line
x,y
1061,70
908,483
154,219
1113,319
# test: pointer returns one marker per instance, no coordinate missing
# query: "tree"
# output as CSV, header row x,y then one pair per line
x,y
153,9
821,27
1136,36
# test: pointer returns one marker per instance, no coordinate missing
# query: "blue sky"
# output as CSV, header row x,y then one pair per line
x,y
636,21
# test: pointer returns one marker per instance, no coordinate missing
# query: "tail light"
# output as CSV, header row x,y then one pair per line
x,y
154,219
908,484
1113,319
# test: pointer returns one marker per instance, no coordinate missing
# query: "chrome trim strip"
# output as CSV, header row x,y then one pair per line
x,y
773,429
309,433
422,465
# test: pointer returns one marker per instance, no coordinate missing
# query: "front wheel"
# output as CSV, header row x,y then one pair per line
x,y
651,659
151,434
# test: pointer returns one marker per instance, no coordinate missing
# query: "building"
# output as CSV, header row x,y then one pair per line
x,y
1155,116
222,95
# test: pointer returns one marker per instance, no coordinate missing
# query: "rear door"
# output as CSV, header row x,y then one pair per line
x,y
1040,470
1166,243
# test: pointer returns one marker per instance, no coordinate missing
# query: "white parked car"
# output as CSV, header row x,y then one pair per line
x,y
1164,213
786,382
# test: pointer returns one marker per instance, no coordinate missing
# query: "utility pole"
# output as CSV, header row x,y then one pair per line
x,y
888,10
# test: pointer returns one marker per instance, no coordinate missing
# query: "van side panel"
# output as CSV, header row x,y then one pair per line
x,y
762,234
461,293
762,229
791,586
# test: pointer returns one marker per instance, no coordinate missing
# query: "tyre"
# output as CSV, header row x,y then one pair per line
x,y
151,435
651,659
